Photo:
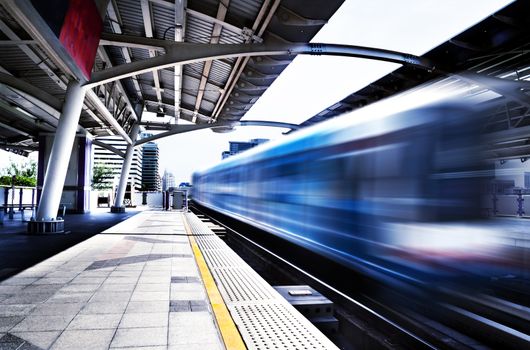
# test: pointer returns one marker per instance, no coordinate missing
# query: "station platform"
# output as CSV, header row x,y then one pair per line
x,y
158,280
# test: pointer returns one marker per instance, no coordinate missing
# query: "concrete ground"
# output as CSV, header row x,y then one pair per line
x,y
19,251
135,286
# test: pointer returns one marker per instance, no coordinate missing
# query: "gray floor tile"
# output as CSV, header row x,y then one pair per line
x,y
163,347
27,298
103,296
121,280
19,281
43,323
10,341
98,321
148,306
115,307
8,322
150,296
52,280
133,273
192,327
70,297
197,346
143,320
52,309
16,310
126,337
155,280
187,295
117,287
42,340
5,289
88,280
84,339
80,288
62,274
152,287
40,289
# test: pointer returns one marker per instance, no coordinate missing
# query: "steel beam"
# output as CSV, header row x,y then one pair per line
x,y
180,25
30,89
260,23
216,35
205,17
20,114
18,147
107,116
126,166
42,63
105,58
186,53
108,147
17,42
31,21
511,89
116,26
148,26
179,129
268,123
18,131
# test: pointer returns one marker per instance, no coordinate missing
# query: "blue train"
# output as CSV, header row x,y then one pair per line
x,y
375,190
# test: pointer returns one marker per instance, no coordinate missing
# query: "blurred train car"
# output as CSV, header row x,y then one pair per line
x,y
345,188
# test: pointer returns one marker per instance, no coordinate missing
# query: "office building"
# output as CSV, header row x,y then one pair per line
x,y
240,146
103,156
150,156
168,181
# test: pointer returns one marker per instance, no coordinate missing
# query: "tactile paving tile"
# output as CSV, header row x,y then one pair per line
x,y
264,318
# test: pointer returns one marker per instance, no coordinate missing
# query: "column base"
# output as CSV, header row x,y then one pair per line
x,y
46,227
117,209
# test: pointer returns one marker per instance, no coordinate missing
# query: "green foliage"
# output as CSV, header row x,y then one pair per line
x,y
101,177
25,175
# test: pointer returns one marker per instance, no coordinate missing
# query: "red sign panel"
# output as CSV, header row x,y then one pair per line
x,y
80,33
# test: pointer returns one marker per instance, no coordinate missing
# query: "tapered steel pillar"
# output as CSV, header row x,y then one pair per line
x,y
124,176
46,219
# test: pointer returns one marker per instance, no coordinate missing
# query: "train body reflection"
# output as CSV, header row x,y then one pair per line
x,y
389,194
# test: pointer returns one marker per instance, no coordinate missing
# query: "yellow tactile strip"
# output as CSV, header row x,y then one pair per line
x,y
231,337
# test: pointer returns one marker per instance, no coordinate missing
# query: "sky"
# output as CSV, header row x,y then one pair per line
x,y
312,83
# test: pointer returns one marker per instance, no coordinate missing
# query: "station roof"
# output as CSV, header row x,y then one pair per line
x,y
216,90
33,76
497,47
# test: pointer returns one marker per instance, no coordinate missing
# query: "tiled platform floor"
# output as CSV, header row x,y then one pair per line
x,y
137,286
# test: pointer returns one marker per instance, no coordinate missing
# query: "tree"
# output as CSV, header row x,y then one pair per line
x,y
101,178
24,175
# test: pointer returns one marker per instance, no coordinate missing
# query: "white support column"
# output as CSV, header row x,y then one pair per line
x,y
180,22
124,176
46,218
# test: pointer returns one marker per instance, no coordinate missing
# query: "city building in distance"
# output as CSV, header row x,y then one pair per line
x,y
240,146
168,181
150,176
113,161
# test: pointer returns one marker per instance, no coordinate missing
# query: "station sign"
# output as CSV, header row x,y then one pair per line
x,y
77,24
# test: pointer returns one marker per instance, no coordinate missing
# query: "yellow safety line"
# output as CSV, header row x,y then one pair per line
x,y
229,332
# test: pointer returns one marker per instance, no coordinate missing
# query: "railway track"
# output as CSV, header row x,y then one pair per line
x,y
376,316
